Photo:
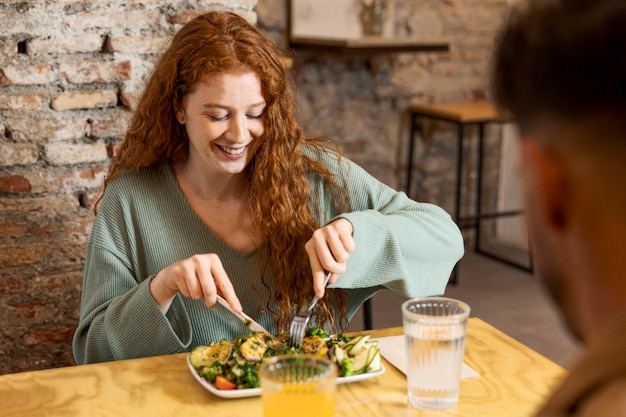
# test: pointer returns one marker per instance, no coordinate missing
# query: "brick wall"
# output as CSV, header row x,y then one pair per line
x,y
69,76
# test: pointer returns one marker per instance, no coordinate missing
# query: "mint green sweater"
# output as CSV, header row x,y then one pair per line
x,y
144,224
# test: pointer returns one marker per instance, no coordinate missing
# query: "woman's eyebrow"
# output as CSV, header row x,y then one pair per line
x,y
221,106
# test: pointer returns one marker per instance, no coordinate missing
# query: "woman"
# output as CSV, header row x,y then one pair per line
x,y
216,191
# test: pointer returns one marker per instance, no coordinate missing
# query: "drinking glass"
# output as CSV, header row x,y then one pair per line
x,y
298,385
434,330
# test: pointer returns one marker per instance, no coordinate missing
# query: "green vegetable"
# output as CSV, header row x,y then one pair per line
x,y
211,372
316,331
346,367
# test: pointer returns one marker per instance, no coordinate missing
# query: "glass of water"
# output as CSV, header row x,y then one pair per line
x,y
434,330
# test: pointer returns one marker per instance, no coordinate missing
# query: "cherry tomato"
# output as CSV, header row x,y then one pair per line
x,y
224,384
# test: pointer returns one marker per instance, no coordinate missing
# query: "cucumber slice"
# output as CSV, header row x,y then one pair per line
x,y
363,361
360,362
339,353
356,345
376,364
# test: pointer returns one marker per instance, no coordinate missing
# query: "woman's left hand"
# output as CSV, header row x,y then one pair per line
x,y
329,250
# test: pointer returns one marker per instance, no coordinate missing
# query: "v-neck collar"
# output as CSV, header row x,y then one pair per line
x,y
182,201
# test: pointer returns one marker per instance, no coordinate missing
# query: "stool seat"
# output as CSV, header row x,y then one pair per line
x,y
462,112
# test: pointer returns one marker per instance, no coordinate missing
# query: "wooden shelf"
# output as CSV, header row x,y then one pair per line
x,y
372,44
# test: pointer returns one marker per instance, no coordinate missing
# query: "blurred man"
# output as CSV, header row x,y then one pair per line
x,y
560,68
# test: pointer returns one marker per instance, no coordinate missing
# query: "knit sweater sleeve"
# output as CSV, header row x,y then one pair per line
x,y
405,246
119,317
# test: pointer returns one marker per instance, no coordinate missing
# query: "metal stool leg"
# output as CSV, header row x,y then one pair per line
x,y
367,314
409,165
479,184
457,202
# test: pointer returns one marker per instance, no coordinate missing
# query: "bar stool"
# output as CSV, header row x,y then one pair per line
x,y
463,114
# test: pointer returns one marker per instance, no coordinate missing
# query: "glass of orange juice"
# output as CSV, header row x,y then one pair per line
x,y
298,385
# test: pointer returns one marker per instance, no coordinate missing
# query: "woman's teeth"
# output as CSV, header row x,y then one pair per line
x,y
232,151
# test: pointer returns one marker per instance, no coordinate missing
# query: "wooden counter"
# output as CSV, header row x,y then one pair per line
x,y
514,380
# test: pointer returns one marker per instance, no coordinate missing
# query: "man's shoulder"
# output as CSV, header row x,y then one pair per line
x,y
608,400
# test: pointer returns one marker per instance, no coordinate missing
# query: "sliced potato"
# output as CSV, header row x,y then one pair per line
x,y
253,348
314,345
207,355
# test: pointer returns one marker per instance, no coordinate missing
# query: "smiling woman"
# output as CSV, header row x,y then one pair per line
x,y
216,191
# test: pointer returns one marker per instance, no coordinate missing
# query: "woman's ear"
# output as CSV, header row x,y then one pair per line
x,y
546,184
180,116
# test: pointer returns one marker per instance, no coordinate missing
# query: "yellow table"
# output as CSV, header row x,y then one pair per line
x,y
514,381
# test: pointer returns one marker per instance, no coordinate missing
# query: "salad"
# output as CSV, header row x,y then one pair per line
x,y
233,364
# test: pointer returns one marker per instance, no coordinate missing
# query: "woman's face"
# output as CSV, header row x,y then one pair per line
x,y
223,115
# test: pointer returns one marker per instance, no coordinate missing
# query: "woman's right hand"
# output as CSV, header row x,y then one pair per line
x,y
198,277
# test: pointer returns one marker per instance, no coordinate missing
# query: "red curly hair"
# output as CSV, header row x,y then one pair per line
x,y
284,213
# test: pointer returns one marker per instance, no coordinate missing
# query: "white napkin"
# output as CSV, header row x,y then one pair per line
x,y
393,349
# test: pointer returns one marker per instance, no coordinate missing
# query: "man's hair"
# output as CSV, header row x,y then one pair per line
x,y
564,59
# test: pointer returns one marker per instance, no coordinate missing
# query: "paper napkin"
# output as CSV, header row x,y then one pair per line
x,y
393,349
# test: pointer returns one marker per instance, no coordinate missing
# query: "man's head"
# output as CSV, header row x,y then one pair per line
x,y
560,68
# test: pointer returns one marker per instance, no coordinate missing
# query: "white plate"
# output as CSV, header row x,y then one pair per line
x,y
254,392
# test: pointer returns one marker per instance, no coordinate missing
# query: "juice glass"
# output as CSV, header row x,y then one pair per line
x,y
298,385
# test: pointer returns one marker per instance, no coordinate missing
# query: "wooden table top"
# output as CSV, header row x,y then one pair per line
x,y
514,380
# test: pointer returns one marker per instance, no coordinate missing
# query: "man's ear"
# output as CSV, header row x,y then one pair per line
x,y
547,183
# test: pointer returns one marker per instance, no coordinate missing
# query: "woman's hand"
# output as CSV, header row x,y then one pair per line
x,y
197,277
329,250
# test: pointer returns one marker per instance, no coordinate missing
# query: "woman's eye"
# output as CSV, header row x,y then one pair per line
x,y
217,118
255,116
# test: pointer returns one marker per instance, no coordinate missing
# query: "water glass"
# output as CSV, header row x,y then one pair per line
x,y
434,330
298,385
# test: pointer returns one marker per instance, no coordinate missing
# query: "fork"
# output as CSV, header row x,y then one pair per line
x,y
300,321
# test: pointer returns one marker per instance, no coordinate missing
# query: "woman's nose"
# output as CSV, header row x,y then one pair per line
x,y
237,130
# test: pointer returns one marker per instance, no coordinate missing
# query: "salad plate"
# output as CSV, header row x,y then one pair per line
x,y
254,392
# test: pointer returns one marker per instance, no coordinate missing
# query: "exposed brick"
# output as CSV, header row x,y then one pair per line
x,y
25,254
182,18
129,99
14,184
67,178
114,149
21,102
133,19
84,100
110,1
185,17
68,153
232,4
95,72
17,154
47,227
47,129
13,229
139,44
110,128
49,336
86,42
21,21
50,204
26,75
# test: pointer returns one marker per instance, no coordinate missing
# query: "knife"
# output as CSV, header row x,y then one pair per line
x,y
243,317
